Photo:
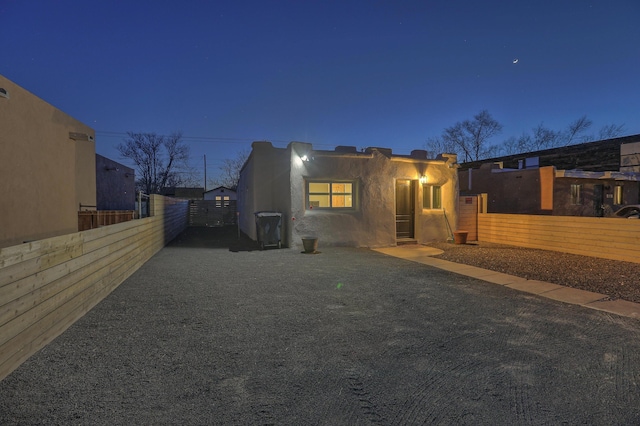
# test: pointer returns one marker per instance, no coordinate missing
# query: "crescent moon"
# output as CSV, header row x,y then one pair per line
x,y
515,61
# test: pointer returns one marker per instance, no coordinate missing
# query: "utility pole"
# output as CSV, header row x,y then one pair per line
x,y
205,172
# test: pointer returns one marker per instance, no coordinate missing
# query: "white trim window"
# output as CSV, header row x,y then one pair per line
x,y
431,197
330,194
220,199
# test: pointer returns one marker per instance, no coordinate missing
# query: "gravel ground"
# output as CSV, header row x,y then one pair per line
x,y
618,280
223,334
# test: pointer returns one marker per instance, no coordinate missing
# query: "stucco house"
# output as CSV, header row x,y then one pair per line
x,y
372,198
591,179
47,167
116,187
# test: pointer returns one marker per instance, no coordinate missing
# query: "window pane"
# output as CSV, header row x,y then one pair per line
x,y
341,188
575,194
319,187
319,200
341,201
437,197
617,195
426,196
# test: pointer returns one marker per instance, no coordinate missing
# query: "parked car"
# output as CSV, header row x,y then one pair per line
x,y
630,212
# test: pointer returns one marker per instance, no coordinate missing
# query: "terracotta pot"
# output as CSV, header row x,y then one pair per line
x,y
310,245
460,237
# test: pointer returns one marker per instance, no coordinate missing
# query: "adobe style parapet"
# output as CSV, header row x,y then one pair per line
x,y
302,148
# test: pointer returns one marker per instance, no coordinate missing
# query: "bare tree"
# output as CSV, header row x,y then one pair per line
x,y
471,137
230,170
437,145
156,158
610,131
576,128
542,137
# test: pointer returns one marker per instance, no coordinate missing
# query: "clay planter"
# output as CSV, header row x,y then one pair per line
x,y
310,244
460,237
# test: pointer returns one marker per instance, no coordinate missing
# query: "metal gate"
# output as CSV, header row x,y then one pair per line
x,y
212,213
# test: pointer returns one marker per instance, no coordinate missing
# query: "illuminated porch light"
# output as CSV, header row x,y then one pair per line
x,y
423,179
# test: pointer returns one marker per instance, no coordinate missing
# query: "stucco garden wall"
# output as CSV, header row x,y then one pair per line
x,y
47,168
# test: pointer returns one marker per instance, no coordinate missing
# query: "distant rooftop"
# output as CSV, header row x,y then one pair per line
x,y
598,156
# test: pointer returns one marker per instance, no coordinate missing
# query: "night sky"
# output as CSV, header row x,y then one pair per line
x,y
362,73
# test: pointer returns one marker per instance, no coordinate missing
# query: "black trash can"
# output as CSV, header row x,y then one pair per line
x,y
268,226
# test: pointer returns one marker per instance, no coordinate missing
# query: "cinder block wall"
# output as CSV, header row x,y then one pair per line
x,y
608,238
46,285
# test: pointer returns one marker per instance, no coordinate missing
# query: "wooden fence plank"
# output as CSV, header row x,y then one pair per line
x,y
47,285
609,238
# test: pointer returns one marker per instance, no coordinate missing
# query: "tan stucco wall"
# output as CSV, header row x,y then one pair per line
x,y
44,174
373,223
264,185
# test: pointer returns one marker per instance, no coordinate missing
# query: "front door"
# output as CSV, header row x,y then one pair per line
x,y
405,205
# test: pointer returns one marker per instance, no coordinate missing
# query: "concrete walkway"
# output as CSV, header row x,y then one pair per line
x,y
424,255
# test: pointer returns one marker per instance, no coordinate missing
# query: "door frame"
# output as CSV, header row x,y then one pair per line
x,y
408,218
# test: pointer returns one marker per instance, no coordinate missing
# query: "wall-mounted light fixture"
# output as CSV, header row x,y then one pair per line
x,y
305,158
423,179
4,93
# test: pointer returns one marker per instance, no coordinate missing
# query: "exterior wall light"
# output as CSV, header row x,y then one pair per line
x,y
4,93
423,179
304,158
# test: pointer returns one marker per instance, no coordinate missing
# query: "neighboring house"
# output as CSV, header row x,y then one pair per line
x,y
345,197
183,193
534,183
115,185
598,156
217,209
47,167
222,195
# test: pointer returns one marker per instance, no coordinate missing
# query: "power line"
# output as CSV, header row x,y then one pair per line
x,y
213,139
191,138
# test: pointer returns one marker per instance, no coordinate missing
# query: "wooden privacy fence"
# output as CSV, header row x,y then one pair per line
x,y
608,238
46,285
468,208
91,219
212,212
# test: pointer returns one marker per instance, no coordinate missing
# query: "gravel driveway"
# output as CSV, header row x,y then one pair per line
x,y
205,335
616,279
